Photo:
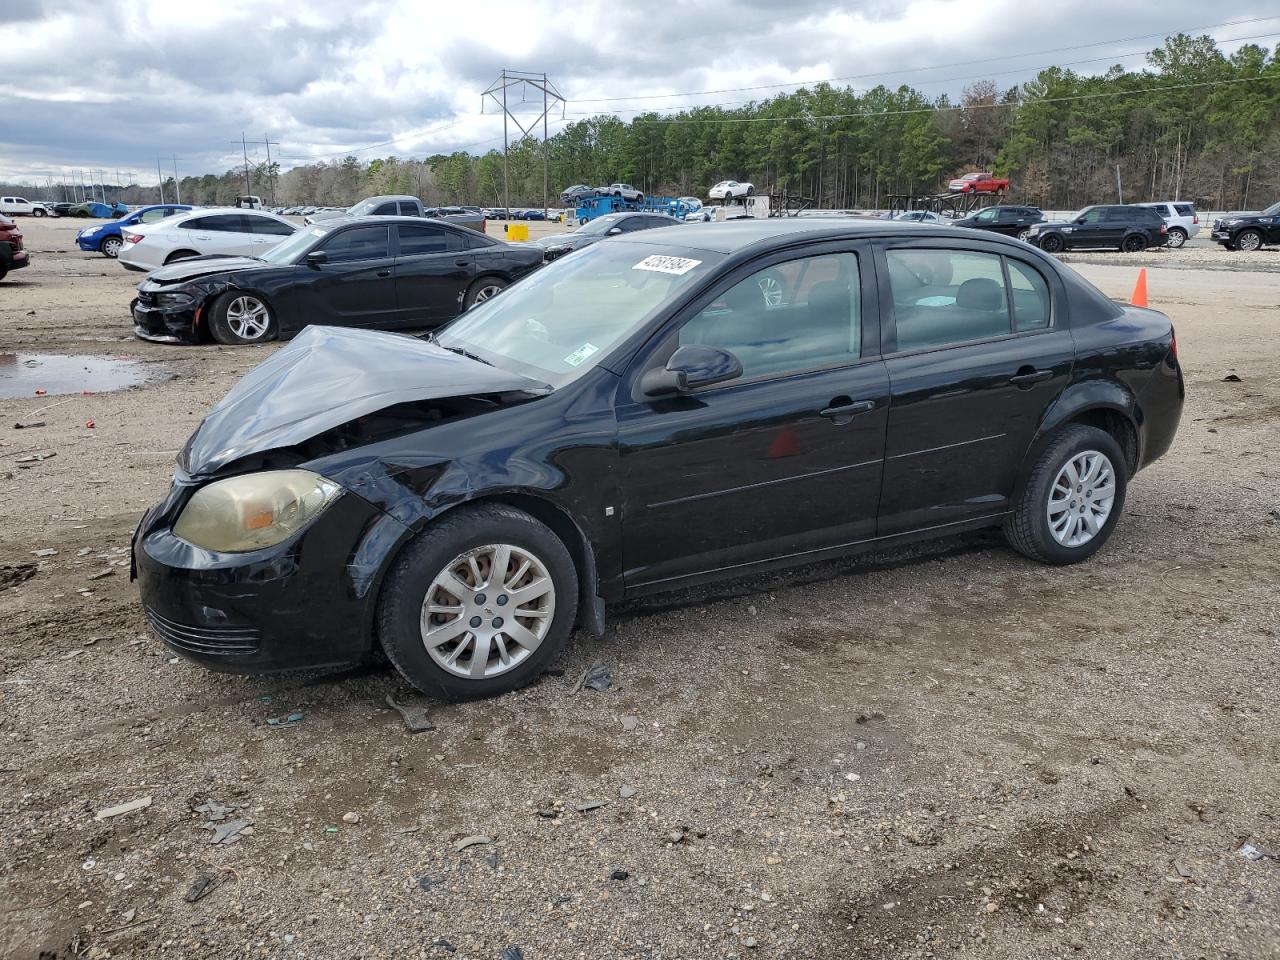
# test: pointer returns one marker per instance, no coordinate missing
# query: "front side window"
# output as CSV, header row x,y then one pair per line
x,y
358,243
987,216
799,315
1094,215
151,216
946,297
386,210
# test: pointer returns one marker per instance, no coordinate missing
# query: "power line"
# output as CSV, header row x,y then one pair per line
x,y
974,106
939,66
385,143
976,76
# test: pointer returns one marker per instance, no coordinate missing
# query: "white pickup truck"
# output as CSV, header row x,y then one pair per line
x,y
20,207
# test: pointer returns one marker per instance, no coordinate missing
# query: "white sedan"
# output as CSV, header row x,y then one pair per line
x,y
731,190
229,232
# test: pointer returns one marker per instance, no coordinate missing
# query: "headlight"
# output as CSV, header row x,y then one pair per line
x,y
173,299
1232,220
254,511
89,231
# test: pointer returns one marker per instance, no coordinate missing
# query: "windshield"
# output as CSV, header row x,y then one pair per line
x,y
289,249
599,226
556,324
1272,211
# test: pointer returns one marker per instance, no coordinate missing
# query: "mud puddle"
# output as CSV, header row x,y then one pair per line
x,y
41,374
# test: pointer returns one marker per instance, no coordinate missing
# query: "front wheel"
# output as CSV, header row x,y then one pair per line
x,y
1177,237
480,603
1249,240
1024,233
1052,244
1072,498
110,247
482,290
1133,244
239,318
37,212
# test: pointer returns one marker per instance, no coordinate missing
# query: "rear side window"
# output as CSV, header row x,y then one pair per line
x,y
219,223
1030,297
946,297
1185,209
417,240
265,225
358,243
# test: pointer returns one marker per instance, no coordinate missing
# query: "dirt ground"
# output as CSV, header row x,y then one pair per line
x,y
950,751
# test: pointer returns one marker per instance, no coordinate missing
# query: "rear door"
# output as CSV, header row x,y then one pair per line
x,y
433,270
977,348
219,233
267,232
355,286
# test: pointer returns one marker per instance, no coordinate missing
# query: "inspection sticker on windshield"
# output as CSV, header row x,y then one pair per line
x,y
660,264
575,359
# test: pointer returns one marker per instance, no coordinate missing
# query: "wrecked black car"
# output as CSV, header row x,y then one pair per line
x,y
652,412
381,272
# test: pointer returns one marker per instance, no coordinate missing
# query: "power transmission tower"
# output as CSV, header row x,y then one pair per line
x,y
497,92
271,178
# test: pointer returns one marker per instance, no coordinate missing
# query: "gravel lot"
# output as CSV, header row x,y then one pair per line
x,y
949,751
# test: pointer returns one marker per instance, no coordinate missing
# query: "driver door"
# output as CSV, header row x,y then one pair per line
x,y
784,460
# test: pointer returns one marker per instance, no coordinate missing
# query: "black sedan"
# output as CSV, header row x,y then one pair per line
x,y
1012,221
664,409
610,225
383,272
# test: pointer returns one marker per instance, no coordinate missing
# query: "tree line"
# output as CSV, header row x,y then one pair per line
x,y
1194,124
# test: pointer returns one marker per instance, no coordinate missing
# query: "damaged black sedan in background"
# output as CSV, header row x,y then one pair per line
x,y
379,272
663,409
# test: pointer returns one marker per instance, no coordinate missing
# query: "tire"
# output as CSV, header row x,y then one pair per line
x,y
1133,244
1052,243
110,247
239,318
1024,233
1030,527
477,533
1249,240
482,290
1177,237
38,212
179,255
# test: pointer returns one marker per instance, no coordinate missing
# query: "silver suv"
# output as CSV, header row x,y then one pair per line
x,y
1181,219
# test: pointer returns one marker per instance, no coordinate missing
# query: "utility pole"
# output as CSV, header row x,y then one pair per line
x,y
1119,192
177,190
550,97
271,175
159,178
244,147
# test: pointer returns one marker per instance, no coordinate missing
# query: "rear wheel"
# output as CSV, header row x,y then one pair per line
x,y
1133,244
110,247
1072,498
240,318
1249,240
478,604
1024,233
1177,237
482,290
1051,244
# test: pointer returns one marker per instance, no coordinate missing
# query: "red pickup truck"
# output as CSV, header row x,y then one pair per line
x,y
979,183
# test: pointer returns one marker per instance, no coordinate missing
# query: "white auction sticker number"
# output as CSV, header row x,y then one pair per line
x,y
662,264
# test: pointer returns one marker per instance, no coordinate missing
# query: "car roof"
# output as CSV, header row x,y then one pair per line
x,y
365,221
732,236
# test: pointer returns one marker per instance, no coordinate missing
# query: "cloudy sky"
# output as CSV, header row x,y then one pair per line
x,y
109,84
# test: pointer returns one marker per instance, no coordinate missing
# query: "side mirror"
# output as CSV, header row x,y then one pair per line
x,y
317,257
1078,220
691,366
614,230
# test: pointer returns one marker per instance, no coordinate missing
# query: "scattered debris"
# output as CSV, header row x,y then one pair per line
x,y
129,914
351,817
619,875
1251,852
445,945
215,811
228,833
37,457
90,424
474,840
11,576
45,552
1231,378
590,805
29,425
513,953
626,793
414,715
284,721
98,575
676,836
630,723
596,678
120,809
201,887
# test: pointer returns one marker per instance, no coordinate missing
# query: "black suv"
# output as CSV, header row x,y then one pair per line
x,y
1250,230
1012,221
1110,226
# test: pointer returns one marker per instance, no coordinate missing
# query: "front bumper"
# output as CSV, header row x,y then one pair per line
x,y
305,603
16,260
89,244
164,324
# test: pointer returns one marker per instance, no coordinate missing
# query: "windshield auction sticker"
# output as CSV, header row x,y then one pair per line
x,y
660,264
575,359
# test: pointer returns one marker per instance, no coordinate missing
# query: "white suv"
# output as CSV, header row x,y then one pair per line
x,y
21,207
1180,217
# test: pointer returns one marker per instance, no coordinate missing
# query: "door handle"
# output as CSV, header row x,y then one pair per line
x,y
842,408
462,263
383,273
1030,376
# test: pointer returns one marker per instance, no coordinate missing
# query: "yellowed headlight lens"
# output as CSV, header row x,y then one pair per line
x,y
254,511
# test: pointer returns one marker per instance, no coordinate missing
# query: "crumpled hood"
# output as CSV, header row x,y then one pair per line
x,y
197,267
328,376
562,240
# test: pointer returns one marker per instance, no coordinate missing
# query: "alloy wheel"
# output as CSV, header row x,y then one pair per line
x,y
1081,498
487,611
1249,240
771,290
1023,234
1177,238
487,291
248,317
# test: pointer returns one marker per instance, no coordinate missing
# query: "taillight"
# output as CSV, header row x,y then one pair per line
x,y
1164,228
1195,218
1173,344
133,238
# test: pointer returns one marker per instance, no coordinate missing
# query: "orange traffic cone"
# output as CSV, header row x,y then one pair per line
x,y
1139,298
